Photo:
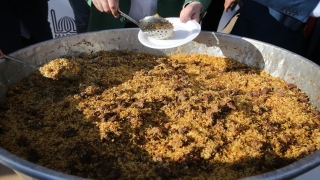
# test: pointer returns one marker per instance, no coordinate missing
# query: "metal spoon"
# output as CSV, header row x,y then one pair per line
x,y
20,61
153,26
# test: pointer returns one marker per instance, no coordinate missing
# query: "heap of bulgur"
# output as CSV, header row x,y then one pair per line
x,y
129,115
60,68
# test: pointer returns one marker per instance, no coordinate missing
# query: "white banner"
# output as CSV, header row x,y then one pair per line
x,y
61,18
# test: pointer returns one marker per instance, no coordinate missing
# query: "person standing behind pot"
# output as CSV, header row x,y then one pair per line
x,y
280,22
314,46
81,11
104,13
215,11
23,23
212,18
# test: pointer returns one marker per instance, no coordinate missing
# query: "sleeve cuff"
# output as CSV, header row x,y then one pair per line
x,y
185,5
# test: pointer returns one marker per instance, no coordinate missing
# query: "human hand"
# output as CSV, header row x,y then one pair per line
x,y
191,12
1,55
230,4
109,6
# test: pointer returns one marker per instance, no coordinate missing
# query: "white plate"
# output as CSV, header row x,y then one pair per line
x,y
183,33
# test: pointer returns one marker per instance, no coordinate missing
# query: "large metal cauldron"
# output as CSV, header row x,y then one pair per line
x,y
276,61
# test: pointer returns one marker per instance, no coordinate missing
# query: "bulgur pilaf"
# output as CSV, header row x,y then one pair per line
x,y
126,115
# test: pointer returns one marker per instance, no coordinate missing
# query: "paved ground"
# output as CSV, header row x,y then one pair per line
x,y
7,174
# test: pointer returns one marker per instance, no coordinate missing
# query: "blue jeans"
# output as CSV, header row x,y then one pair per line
x,y
81,11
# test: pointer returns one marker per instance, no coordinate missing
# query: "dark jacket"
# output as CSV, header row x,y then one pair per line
x,y
314,46
278,22
290,13
33,14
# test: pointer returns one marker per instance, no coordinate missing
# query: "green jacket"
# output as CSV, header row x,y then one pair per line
x,y
165,8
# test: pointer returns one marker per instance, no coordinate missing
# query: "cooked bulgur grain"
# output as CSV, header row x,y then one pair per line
x,y
139,116
60,68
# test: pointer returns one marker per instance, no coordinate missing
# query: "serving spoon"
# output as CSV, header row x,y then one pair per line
x,y
153,26
20,61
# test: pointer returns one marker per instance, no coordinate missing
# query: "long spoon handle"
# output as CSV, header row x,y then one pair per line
x,y
128,17
20,61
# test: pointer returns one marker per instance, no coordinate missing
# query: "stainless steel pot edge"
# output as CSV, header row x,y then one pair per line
x,y
276,61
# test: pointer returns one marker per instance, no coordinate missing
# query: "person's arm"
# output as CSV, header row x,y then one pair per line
x,y
1,55
193,10
109,6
